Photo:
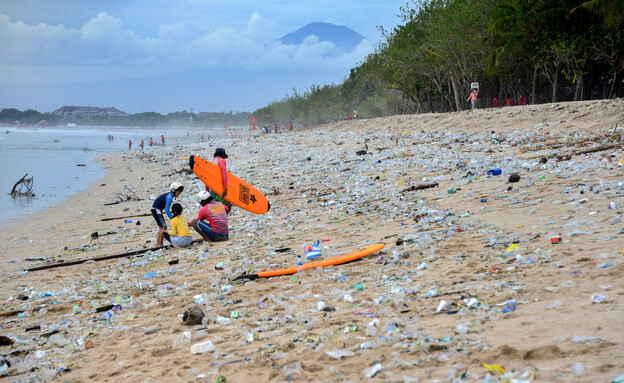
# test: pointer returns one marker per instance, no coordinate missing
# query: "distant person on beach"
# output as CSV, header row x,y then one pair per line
x,y
163,203
219,160
162,139
129,144
141,144
151,142
290,126
211,222
472,97
180,234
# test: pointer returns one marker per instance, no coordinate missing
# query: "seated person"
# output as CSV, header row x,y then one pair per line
x,y
496,102
180,235
211,222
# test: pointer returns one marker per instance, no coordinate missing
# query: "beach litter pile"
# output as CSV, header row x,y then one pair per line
x,y
501,262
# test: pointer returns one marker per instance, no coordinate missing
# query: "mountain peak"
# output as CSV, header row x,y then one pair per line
x,y
342,37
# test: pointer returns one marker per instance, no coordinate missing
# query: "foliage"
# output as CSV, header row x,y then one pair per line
x,y
540,50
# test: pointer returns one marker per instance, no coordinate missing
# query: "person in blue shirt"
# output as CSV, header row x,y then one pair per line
x,y
163,203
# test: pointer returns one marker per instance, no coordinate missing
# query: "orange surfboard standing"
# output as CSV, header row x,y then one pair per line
x,y
337,260
240,193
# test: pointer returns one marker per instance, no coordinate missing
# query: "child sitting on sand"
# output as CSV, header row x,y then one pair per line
x,y
180,235
163,203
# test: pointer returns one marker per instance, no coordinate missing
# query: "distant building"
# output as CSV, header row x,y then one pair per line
x,y
89,112
207,114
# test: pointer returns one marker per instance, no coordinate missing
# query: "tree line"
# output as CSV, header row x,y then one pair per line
x,y
535,50
147,119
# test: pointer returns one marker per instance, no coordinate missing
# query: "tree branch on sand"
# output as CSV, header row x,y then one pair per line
x,y
23,187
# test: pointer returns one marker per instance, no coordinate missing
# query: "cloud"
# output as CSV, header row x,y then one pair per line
x,y
104,41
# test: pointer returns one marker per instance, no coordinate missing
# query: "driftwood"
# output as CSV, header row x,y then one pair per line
x,y
420,187
597,149
104,258
124,196
128,216
23,187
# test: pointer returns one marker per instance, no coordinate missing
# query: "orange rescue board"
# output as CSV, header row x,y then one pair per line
x,y
240,193
337,260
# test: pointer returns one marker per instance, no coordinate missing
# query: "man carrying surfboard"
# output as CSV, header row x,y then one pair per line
x,y
211,222
219,159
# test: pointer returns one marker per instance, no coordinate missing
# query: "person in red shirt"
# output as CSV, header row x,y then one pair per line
x,y
162,139
219,159
211,222
290,126
151,142
129,144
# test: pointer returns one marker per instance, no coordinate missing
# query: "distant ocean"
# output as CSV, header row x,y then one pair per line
x,y
52,156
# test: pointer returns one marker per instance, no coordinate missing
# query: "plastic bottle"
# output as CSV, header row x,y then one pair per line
x,y
299,265
200,348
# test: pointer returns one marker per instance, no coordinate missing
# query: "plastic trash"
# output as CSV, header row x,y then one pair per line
x,y
151,274
339,354
578,369
495,369
292,368
313,250
373,370
597,298
494,172
299,265
509,307
203,347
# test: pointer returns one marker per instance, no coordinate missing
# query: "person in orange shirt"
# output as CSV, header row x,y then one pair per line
x,y
129,144
472,97
141,144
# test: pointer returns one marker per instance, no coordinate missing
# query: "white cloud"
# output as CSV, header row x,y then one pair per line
x,y
105,49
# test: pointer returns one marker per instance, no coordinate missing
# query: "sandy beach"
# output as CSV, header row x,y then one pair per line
x,y
475,270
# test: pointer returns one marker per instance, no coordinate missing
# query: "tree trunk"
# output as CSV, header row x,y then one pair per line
x,y
555,85
458,97
613,84
578,89
534,85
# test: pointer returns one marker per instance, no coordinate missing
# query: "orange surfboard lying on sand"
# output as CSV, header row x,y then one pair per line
x,y
240,193
337,260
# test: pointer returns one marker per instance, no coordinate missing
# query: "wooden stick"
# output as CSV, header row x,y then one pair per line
x,y
129,216
598,149
97,259
10,313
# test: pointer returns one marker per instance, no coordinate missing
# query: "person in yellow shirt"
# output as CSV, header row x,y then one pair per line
x,y
180,234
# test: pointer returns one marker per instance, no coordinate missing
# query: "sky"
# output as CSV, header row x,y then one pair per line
x,y
166,56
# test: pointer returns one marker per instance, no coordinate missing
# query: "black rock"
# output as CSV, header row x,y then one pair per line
x,y
514,178
193,315
5,341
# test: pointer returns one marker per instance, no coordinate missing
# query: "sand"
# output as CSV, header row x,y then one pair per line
x,y
464,230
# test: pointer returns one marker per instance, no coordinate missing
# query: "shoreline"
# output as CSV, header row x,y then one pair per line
x,y
352,200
